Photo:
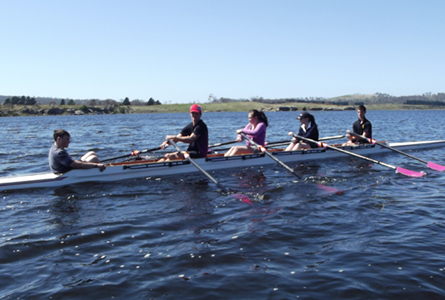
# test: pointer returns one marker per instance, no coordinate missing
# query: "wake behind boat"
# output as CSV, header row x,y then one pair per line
x,y
149,168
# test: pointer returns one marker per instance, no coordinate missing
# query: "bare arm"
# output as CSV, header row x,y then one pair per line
x,y
77,164
180,138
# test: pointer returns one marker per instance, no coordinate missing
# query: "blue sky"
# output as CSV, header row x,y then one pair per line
x,y
182,51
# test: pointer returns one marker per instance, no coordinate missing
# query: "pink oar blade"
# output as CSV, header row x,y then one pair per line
x,y
243,198
409,172
435,166
330,189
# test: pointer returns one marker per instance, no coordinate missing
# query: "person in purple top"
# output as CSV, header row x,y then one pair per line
x,y
256,130
195,134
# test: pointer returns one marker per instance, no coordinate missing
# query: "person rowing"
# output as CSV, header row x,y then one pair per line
x,y
61,162
255,130
308,129
195,134
361,127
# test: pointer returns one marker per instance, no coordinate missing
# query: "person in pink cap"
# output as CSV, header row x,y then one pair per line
x,y
195,134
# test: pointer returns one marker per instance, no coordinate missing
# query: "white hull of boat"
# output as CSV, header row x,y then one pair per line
x,y
141,169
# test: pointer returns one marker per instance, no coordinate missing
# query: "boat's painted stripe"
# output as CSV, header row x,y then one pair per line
x,y
36,181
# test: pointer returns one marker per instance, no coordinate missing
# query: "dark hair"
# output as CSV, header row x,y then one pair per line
x,y
312,119
361,107
60,133
260,115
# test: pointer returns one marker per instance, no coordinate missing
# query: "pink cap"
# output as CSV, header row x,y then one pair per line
x,y
195,108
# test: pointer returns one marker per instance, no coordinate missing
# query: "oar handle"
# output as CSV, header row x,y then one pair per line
x,y
371,141
177,147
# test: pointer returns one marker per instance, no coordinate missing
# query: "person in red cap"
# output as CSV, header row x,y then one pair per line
x,y
308,129
195,134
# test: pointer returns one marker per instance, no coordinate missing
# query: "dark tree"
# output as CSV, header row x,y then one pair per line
x,y
126,101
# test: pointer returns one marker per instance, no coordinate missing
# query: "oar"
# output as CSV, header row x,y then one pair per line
x,y
286,142
133,153
187,156
136,152
223,143
398,169
331,137
264,150
429,164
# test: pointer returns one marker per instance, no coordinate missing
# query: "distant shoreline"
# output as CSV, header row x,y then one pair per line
x,y
48,110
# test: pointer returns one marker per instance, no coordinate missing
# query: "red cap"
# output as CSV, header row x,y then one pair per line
x,y
195,108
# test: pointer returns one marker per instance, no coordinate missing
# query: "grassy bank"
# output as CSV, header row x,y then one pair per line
x,y
246,106
19,110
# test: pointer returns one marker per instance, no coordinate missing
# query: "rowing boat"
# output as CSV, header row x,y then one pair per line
x,y
149,168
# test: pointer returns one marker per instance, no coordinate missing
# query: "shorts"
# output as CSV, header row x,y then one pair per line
x,y
195,154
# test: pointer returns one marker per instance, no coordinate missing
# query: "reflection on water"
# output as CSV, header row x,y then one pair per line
x,y
346,229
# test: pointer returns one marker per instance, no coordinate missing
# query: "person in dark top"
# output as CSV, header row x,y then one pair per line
x,y
195,134
61,162
308,129
362,127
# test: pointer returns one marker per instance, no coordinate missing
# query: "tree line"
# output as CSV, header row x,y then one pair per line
x,y
20,100
27,100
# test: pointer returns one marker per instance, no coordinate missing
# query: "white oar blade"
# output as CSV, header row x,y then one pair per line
x,y
409,173
435,166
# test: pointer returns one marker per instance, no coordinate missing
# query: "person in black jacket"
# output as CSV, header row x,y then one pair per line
x,y
308,129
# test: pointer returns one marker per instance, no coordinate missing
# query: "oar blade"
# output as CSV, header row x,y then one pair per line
x,y
330,189
410,173
243,198
435,166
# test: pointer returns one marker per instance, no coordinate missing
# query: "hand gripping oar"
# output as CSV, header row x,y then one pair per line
x,y
264,150
187,156
398,169
133,153
430,165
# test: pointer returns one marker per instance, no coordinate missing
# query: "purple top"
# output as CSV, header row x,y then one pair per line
x,y
258,135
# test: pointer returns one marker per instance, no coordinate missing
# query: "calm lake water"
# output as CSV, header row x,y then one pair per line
x,y
177,237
